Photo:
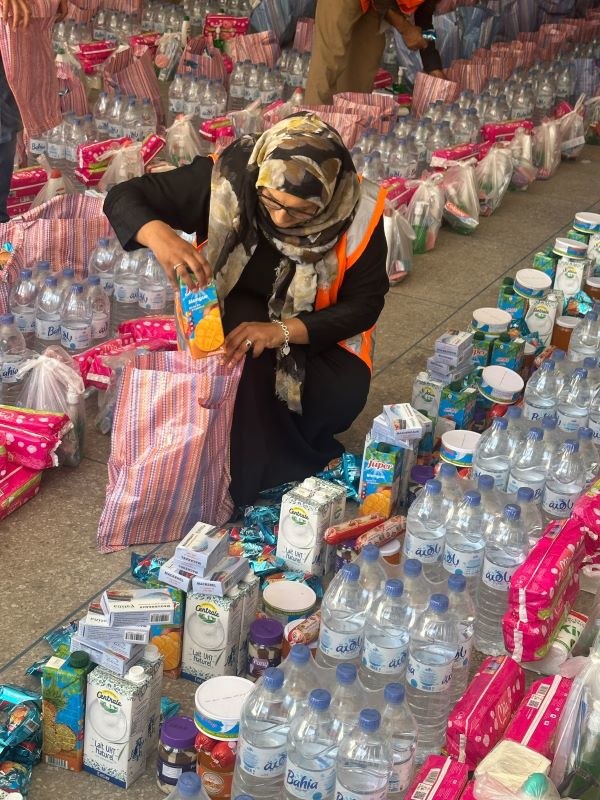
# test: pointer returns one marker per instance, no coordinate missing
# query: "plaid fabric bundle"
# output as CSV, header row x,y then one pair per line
x,y
171,429
73,95
126,6
428,89
134,76
63,231
81,14
36,87
377,111
260,48
203,60
304,35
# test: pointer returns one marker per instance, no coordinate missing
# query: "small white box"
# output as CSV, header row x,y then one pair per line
x,y
127,607
211,636
456,343
222,578
96,626
175,575
203,545
103,657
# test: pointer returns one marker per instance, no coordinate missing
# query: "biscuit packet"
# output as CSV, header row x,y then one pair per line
x,y
199,325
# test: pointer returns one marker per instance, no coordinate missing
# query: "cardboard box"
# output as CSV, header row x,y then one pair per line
x,y
223,578
137,606
203,546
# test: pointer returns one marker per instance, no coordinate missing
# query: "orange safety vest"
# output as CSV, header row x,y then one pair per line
x,y
406,6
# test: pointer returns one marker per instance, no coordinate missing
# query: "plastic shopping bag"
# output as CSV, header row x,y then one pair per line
x,y
592,121
546,149
183,143
171,429
493,174
461,206
400,236
57,184
571,127
521,150
126,163
425,213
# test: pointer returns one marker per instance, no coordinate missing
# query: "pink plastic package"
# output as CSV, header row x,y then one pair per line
x,y
539,583
535,723
440,778
478,720
30,437
17,486
587,511
531,641
151,147
469,792
95,152
217,128
27,182
492,131
146,329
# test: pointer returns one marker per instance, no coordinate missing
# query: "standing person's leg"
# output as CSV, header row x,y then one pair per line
x,y
10,125
364,56
334,31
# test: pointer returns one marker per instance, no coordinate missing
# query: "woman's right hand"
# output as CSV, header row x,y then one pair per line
x,y
175,255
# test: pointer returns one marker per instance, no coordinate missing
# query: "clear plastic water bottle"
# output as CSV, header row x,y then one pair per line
x,y
300,676
102,263
22,304
76,320
541,392
401,163
75,138
207,101
90,134
311,751
465,540
372,572
462,606
585,339
126,287
417,589
189,787
346,698
40,272
386,637
342,619
594,416
574,402
373,169
66,279
100,112
252,89
492,454
400,728
237,88
131,119
506,549
13,354
553,436
589,453
565,482
176,98
262,744
490,500
47,314
115,115
364,761
531,514
155,295
100,304
432,649
516,429
426,530
530,466
591,364
55,146
522,107
545,99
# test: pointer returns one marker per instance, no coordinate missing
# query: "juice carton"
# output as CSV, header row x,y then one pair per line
x,y
508,352
512,302
458,404
116,721
63,705
303,520
153,664
168,637
211,636
380,475
199,319
482,349
546,263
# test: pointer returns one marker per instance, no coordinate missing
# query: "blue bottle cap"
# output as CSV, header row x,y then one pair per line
x,y
457,583
189,784
412,567
369,720
485,482
559,355
299,653
570,446
94,280
77,288
501,423
25,274
590,362
273,678
393,693
585,433
350,572
514,412
525,493
103,242
433,487
370,553
581,373
593,315
549,423
43,265
473,498
511,511
345,673
68,272
7,319
536,434
394,587
50,280
548,364
319,699
447,471
439,603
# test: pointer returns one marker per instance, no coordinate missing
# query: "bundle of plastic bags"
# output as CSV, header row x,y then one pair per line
x,y
493,174
571,127
126,163
546,148
592,121
183,143
425,213
521,151
461,206
399,235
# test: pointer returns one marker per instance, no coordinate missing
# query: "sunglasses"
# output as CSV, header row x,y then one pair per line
x,y
293,213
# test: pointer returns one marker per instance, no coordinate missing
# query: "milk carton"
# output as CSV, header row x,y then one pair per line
x,y
303,520
426,397
211,636
153,663
249,589
116,720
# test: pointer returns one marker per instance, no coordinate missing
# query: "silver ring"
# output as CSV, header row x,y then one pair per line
x,y
249,344
181,264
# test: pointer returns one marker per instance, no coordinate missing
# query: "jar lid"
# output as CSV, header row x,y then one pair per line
x,y
421,474
567,322
78,659
289,597
390,548
179,732
593,282
266,631
570,248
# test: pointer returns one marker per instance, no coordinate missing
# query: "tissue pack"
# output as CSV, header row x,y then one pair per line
x,y
439,778
535,723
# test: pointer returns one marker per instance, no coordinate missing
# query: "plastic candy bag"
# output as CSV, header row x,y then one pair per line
x,y
56,185
461,207
126,163
183,143
572,131
400,236
425,213
493,175
546,149
521,150
592,121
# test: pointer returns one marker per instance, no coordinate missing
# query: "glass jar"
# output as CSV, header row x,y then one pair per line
x,y
561,333
592,287
216,761
264,646
176,751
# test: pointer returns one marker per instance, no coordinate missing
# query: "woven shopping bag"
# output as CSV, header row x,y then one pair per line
x,y
169,462
134,76
203,60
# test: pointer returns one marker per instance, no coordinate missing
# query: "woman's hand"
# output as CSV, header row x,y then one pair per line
x,y
262,335
175,255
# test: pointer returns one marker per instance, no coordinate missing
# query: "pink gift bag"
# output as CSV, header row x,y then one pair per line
x,y
134,76
169,462
428,89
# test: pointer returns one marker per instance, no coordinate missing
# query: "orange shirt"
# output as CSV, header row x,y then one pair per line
x,y
405,6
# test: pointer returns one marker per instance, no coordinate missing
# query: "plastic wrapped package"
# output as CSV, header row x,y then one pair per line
x,y
439,778
31,438
126,163
592,120
493,175
400,236
587,511
571,127
425,213
521,150
57,184
183,142
461,206
546,148
505,770
535,723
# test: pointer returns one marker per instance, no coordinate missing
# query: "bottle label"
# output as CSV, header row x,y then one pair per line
x,y
467,564
153,299
558,505
595,426
569,423
37,147
101,124
341,793
71,152
25,321
9,370
428,677
99,326
514,484
384,660
341,646
76,338
56,151
496,577
427,551
47,330
499,477
115,130
535,413
309,783
462,659
207,112
261,762
106,282
125,293
401,776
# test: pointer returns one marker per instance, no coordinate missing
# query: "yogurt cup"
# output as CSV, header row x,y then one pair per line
x,y
219,704
570,248
287,601
586,222
501,385
458,447
532,283
491,320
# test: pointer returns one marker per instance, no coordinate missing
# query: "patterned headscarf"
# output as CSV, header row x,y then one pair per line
x,y
305,158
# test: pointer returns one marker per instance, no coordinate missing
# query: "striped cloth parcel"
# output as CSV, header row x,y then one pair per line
x,y
169,462
428,89
134,76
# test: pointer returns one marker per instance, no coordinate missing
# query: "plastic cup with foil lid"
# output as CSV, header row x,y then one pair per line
x,y
570,248
491,320
532,283
219,704
176,751
587,222
264,646
288,600
458,447
501,385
